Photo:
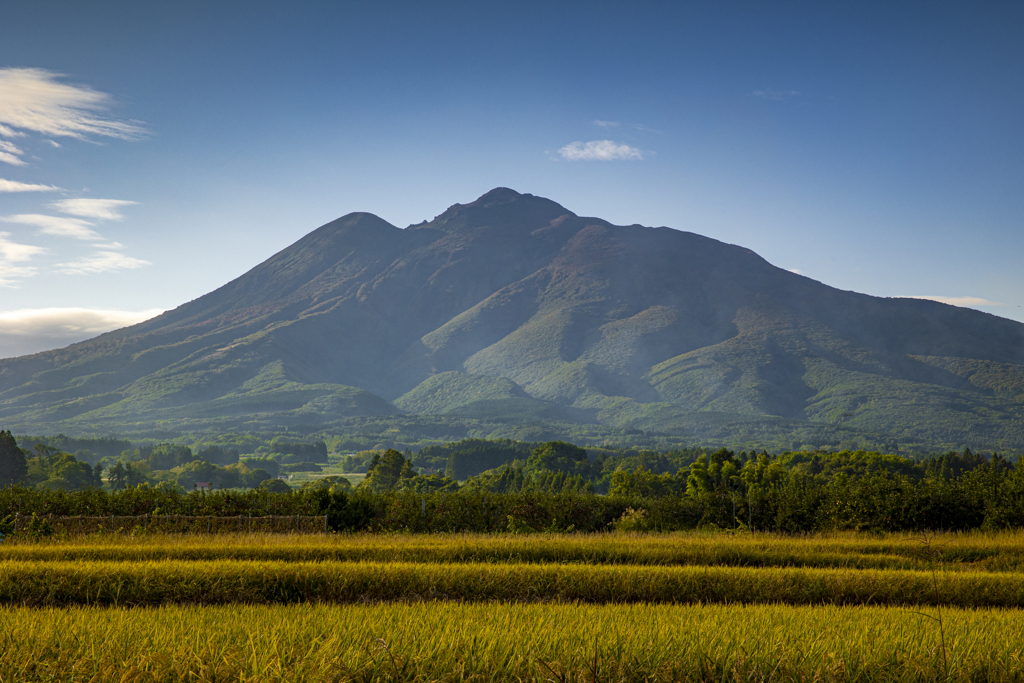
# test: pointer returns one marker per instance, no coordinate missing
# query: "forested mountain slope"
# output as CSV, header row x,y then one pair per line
x,y
513,305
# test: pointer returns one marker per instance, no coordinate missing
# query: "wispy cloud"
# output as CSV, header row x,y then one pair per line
x,y
100,209
56,225
796,270
102,262
647,129
599,150
31,330
958,300
12,275
606,124
11,254
15,186
12,251
36,100
769,94
10,154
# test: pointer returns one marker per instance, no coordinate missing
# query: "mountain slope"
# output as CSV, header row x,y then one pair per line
x,y
514,305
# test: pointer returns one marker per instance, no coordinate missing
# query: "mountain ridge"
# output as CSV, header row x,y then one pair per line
x,y
623,326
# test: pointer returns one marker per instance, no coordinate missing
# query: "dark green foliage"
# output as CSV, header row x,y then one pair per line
x,y
991,496
13,467
159,500
265,464
387,470
256,477
52,468
274,486
302,467
299,452
218,455
90,450
470,457
329,483
123,475
391,471
559,456
201,471
164,456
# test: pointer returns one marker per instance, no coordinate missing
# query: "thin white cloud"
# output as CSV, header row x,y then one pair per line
x,y
606,124
36,100
10,154
647,129
958,300
100,209
769,94
102,262
599,150
56,225
109,245
12,253
796,270
12,275
54,143
15,186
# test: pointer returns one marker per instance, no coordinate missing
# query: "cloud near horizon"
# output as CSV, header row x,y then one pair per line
x,y
32,330
15,186
599,150
36,100
958,300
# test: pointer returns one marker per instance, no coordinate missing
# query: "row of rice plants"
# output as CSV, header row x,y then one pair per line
x,y
971,552
229,581
498,642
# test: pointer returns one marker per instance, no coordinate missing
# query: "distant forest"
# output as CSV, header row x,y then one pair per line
x,y
682,488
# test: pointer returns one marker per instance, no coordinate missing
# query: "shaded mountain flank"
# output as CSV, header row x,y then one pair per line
x,y
512,307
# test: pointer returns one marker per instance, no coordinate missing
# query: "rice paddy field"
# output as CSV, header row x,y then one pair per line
x,y
574,607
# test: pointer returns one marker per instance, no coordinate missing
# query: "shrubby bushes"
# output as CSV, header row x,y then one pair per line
x,y
987,497
550,488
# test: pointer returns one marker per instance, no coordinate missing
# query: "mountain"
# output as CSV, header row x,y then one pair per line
x,y
514,308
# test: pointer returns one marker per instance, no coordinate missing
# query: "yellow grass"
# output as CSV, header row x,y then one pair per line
x,y
503,642
245,581
957,552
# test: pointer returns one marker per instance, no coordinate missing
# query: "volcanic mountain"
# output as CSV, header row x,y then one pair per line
x,y
514,305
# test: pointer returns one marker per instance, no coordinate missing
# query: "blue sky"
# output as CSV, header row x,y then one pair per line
x,y
874,147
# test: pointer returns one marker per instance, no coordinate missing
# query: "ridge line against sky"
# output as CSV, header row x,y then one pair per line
x,y
150,154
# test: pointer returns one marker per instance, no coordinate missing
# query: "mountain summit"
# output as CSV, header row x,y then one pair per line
x,y
513,303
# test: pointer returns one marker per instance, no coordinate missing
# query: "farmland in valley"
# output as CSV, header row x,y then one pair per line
x,y
690,606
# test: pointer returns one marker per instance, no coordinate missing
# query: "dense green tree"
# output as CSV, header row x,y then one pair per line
x,y
58,470
275,486
253,478
559,456
13,467
388,472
